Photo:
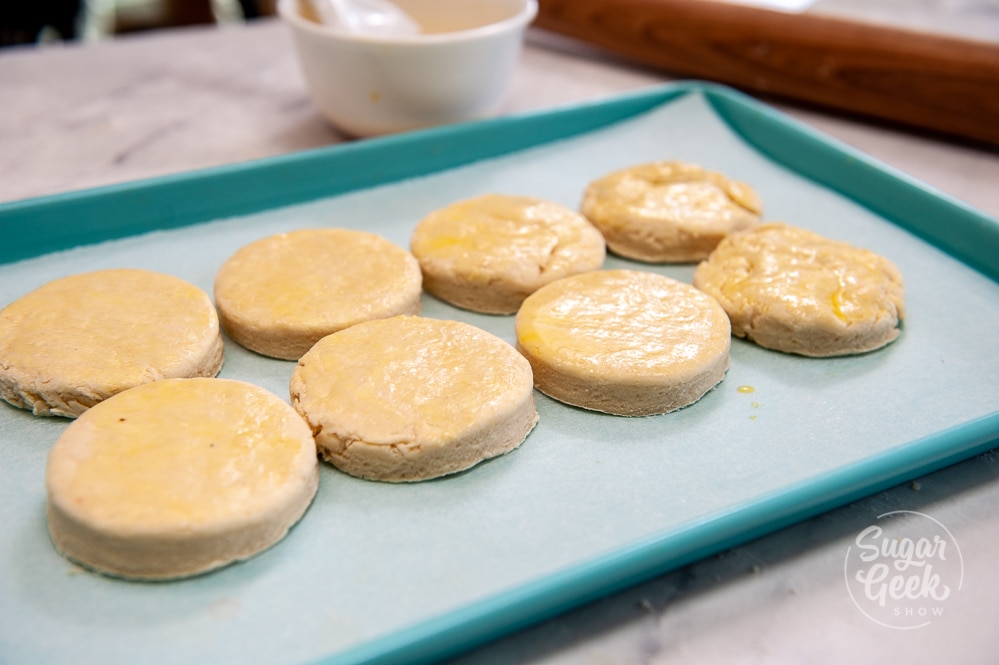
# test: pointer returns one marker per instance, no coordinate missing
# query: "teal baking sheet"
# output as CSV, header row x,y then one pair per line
x,y
378,573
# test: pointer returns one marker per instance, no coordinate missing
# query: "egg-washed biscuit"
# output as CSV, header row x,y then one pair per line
x,y
410,398
792,290
281,294
624,342
80,339
488,253
668,212
179,477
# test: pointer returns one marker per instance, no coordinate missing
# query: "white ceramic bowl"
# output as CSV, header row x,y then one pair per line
x,y
457,69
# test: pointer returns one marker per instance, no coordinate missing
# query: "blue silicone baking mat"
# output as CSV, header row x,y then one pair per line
x,y
379,573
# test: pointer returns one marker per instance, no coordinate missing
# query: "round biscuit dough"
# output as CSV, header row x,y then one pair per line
x,y
624,342
410,398
281,294
179,477
668,212
488,253
793,290
80,339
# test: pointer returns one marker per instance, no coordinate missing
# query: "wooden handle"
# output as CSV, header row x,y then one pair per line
x,y
943,84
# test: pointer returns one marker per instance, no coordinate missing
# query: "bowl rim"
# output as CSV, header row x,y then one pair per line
x,y
287,11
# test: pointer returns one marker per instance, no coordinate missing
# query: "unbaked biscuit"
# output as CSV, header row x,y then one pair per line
x,y
624,342
80,339
411,398
179,477
280,295
488,253
792,290
668,212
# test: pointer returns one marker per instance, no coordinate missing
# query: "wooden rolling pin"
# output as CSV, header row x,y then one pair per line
x,y
944,84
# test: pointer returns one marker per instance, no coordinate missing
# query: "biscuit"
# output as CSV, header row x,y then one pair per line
x,y
411,398
80,339
179,477
668,212
488,253
792,290
281,294
624,342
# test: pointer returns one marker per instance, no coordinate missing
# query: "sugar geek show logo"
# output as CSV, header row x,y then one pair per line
x,y
902,570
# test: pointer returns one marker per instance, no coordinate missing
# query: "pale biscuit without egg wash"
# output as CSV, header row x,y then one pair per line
x,y
80,339
668,212
410,398
281,294
624,342
488,253
179,477
793,290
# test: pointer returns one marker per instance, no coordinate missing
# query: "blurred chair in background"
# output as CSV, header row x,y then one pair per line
x,y
23,22
32,21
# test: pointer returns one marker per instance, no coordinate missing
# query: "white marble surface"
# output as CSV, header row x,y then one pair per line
x,y
970,19
80,116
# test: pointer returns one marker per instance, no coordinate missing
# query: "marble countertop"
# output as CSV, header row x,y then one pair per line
x,y
80,116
